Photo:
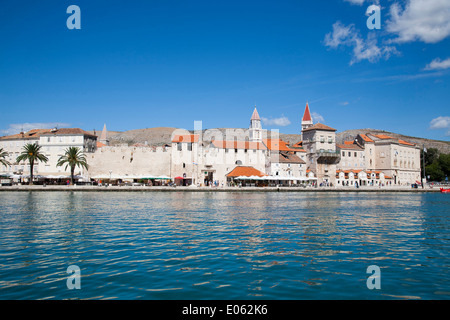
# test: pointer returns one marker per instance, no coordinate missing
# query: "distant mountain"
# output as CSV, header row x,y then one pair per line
x,y
162,135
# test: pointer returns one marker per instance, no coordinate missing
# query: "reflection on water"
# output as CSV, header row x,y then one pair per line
x,y
180,245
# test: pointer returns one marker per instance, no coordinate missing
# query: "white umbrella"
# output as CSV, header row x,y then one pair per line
x,y
163,177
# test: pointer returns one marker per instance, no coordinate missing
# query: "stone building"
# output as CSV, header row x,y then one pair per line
x,y
53,144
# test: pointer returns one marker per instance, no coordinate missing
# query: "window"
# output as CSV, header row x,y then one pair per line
x,y
349,154
179,146
235,150
184,165
48,139
356,155
343,153
189,146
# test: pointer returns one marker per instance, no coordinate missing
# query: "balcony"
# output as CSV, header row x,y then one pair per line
x,y
328,157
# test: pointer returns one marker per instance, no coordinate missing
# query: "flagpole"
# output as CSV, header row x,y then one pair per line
x,y
423,180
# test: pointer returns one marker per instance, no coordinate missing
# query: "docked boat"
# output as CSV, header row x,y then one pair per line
x,y
445,190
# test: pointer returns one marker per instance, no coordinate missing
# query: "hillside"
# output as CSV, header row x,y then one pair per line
x,y
162,135
442,146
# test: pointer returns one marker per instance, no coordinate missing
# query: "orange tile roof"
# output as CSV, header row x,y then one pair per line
x,y
250,145
280,145
348,171
365,138
99,144
185,138
383,136
245,171
405,142
319,126
348,142
32,134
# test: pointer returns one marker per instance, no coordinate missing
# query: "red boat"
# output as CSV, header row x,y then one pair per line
x,y
445,190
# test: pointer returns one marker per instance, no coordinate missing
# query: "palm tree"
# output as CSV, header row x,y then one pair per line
x,y
73,157
32,153
3,155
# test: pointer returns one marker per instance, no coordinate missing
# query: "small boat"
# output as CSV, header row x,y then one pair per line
x,y
445,190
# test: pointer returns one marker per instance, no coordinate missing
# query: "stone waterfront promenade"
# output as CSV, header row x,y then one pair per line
x,y
211,189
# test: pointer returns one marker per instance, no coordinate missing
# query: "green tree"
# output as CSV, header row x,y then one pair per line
x,y
444,163
434,171
73,157
3,155
31,153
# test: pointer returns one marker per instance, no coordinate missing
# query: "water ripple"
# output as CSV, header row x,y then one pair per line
x,y
224,246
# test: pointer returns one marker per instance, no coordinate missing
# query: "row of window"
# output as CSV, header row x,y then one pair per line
x,y
355,154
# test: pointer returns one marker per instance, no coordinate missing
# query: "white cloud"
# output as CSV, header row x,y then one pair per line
x,y
317,117
18,127
438,64
424,20
363,49
345,103
441,123
358,2
281,122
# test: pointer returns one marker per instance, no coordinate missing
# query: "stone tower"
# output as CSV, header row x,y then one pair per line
x,y
255,130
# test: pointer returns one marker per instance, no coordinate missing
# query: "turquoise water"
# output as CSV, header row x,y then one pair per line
x,y
182,245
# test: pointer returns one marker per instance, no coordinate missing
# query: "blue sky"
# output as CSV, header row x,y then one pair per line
x,y
143,64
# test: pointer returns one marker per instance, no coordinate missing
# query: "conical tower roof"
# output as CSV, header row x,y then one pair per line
x,y
255,115
307,114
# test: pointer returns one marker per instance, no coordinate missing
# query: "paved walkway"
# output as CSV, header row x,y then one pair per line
x,y
216,189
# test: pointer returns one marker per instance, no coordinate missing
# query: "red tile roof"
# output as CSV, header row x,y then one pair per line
x,y
245,171
67,131
319,126
36,133
307,114
349,147
239,145
185,138
286,157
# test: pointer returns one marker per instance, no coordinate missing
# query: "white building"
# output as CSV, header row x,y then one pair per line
x,y
53,144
